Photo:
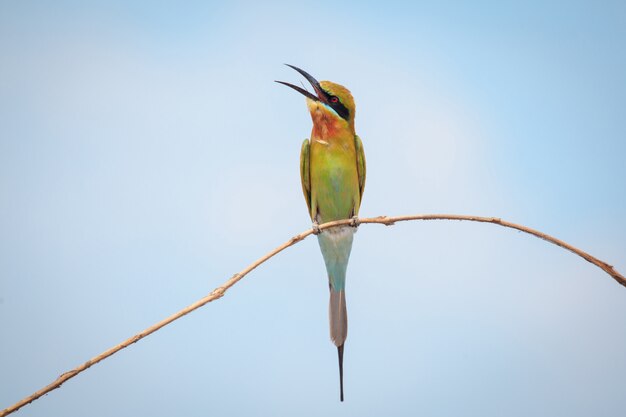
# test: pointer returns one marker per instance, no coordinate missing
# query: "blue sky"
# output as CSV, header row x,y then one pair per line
x,y
146,155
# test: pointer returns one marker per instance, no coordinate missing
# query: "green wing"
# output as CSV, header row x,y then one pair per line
x,y
360,164
305,172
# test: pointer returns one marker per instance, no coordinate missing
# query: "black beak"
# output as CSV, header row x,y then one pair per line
x,y
321,94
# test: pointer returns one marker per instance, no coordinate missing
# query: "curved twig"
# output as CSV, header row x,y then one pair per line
x,y
221,290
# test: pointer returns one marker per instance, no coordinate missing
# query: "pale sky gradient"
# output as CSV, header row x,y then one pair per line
x,y
146,155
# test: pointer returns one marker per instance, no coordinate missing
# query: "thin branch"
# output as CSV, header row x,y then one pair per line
x,y
221,290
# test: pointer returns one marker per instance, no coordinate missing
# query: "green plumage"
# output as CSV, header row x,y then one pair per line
x,y
333,178
332,170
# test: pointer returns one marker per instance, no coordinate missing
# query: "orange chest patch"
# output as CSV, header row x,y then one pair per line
x,y
325,126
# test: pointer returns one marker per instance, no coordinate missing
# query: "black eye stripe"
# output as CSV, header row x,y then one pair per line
x,y
338,106
341,110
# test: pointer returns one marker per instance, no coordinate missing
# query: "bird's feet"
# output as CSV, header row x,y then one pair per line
x,y
316,228
355,222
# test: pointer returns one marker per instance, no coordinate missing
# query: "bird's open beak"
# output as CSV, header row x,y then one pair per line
x,y
321,94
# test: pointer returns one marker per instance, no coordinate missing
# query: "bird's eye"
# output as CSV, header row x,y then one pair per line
x,y
334,99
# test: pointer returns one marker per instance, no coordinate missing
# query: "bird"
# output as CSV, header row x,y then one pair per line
x,y
332,172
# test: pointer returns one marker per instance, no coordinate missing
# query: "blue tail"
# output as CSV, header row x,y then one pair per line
x,y
336,245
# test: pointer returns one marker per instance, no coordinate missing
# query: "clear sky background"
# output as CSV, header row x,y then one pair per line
x,y
146,155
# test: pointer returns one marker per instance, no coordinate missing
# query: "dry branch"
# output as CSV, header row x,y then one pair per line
x,y
220,291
